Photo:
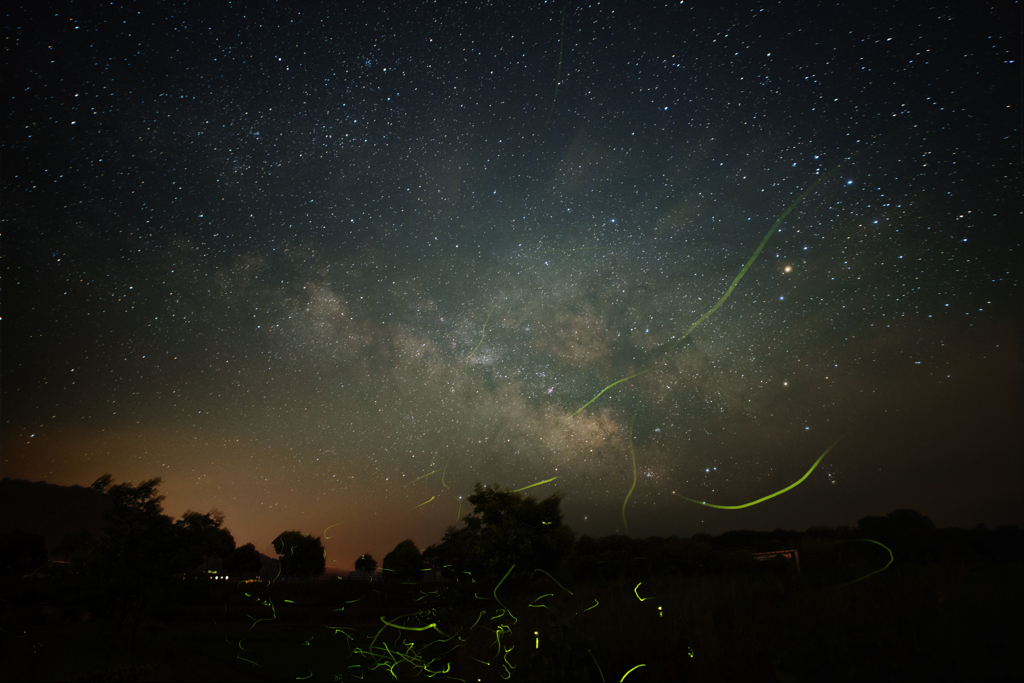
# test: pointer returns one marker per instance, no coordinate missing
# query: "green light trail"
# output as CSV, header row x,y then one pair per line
x,y
772,495
632,457
558,77
753,257
877,571
482,333
630,671
532,485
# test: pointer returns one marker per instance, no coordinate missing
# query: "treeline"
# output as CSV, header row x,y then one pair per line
x,y
508,533
511,532
123,573
909,536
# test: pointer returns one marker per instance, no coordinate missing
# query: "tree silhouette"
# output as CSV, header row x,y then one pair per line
x,y
507,528
141,541
244,560
302,555
909,534
21,553
141,547
204,537
366,563
404,561
73,543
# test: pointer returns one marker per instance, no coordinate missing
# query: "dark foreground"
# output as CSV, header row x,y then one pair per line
x,y
917,622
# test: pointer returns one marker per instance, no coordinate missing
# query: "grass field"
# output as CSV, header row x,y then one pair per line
x,y
935,622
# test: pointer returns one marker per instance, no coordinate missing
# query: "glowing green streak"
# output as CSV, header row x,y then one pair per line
x,y
341,630
482,613
508,664
596,664
775,226
632,456
443,472
532,485
331,527
606,389
555,580
496,593
596,603
630,671
416,628
418,478
424,502
757,252
249,660
637,594
553,251
868,540
777,493
482,333
558,77
269,603
541,597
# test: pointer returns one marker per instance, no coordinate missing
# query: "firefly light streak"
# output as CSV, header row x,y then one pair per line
x,y
532,485
772,495
482,333
877,571
743,271
632,457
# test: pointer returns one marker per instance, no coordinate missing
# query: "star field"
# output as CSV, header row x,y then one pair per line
x,y
253,250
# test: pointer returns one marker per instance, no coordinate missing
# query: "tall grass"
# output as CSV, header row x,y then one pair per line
x,y
915,621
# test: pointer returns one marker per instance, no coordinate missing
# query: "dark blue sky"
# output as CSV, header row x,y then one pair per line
x,y
252,250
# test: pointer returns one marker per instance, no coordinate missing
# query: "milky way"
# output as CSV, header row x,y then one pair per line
x,y
252,250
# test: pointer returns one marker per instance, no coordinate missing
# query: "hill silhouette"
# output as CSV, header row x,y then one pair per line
x,y
51,510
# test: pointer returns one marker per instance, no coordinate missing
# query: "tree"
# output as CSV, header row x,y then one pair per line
x,y
141,547
203,537
909,535
404,561
366,563
507,528
244,560
73,543
431,557
302,556
21,553
141,541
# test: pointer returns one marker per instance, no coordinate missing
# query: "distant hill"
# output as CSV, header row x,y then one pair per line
x,y
51,510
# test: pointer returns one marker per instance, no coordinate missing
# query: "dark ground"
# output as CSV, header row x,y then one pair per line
x,y
916,622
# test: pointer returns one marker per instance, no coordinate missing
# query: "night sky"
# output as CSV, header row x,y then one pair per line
x,y
315,264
